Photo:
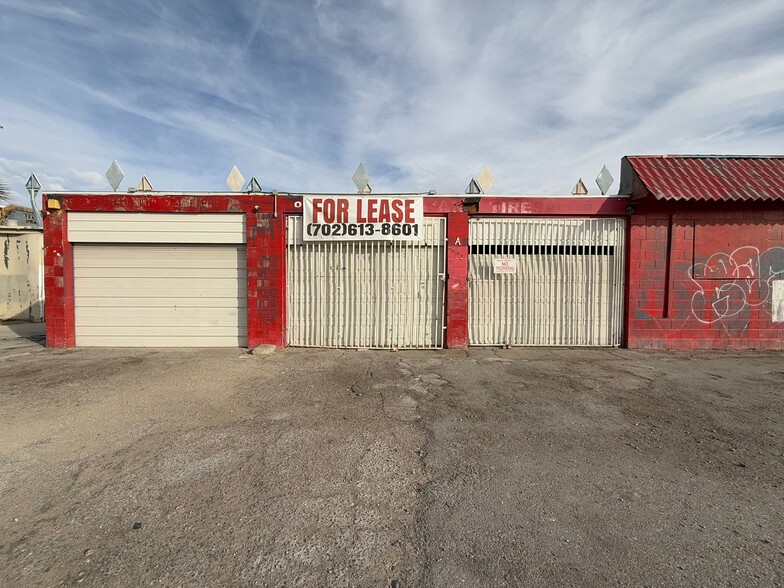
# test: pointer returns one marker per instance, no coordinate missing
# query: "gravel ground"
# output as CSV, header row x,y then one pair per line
x,y
520,467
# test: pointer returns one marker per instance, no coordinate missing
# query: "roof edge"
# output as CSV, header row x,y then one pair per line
x,y
704,178
702,156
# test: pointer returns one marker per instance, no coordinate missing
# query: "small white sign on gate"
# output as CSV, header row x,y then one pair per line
x,y
504,266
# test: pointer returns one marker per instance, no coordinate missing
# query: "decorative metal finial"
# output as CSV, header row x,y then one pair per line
x,y
235,180
485,179
33,187
473,187
253,185
144,185
115,175
362,180
604,180
481,183
579,188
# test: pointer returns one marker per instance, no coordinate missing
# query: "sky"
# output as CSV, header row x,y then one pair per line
x,y
423,92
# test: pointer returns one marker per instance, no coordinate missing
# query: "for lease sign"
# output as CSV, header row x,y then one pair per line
x,y
362,218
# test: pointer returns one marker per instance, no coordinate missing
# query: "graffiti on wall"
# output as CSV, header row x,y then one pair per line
x,y
727,286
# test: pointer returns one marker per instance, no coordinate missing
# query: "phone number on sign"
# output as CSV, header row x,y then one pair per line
x,y
362,230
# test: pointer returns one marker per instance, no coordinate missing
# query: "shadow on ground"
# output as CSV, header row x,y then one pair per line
x,y
32,331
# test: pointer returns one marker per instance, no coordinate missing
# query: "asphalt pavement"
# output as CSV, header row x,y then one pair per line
x,y
519,467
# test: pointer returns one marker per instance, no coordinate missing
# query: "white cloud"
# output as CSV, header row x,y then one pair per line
x,y
422,91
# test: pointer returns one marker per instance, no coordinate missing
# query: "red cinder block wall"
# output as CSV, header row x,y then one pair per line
x,y
266,245
701,275
266,280
457,283
58,282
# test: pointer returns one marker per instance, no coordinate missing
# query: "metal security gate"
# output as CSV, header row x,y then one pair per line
x,y
376,294
546,281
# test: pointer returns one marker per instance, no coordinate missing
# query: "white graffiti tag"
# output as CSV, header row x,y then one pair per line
x,y
729,285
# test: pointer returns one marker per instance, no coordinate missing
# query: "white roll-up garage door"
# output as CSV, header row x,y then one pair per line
x,y
546,281
159,280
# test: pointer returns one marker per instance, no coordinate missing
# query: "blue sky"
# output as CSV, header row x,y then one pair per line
x,y
423,92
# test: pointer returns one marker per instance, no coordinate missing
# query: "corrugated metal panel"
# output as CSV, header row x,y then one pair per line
x,y
567,288
149,227
375,294
160,295
719,178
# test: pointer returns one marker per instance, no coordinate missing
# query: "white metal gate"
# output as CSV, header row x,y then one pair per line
x,y
546,281
377,294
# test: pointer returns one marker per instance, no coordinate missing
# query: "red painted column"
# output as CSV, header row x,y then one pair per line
x,y
58,282
254,249
457,281
266,280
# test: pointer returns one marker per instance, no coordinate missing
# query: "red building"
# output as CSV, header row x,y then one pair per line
x,y
706,252
689,260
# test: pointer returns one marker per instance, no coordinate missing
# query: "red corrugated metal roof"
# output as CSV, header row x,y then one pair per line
x,y
711,177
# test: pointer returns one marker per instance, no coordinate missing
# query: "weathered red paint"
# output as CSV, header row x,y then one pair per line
x,y
700,275
548,206
705,243
58,281
267,280
55,277
266,246
457,281
697,274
